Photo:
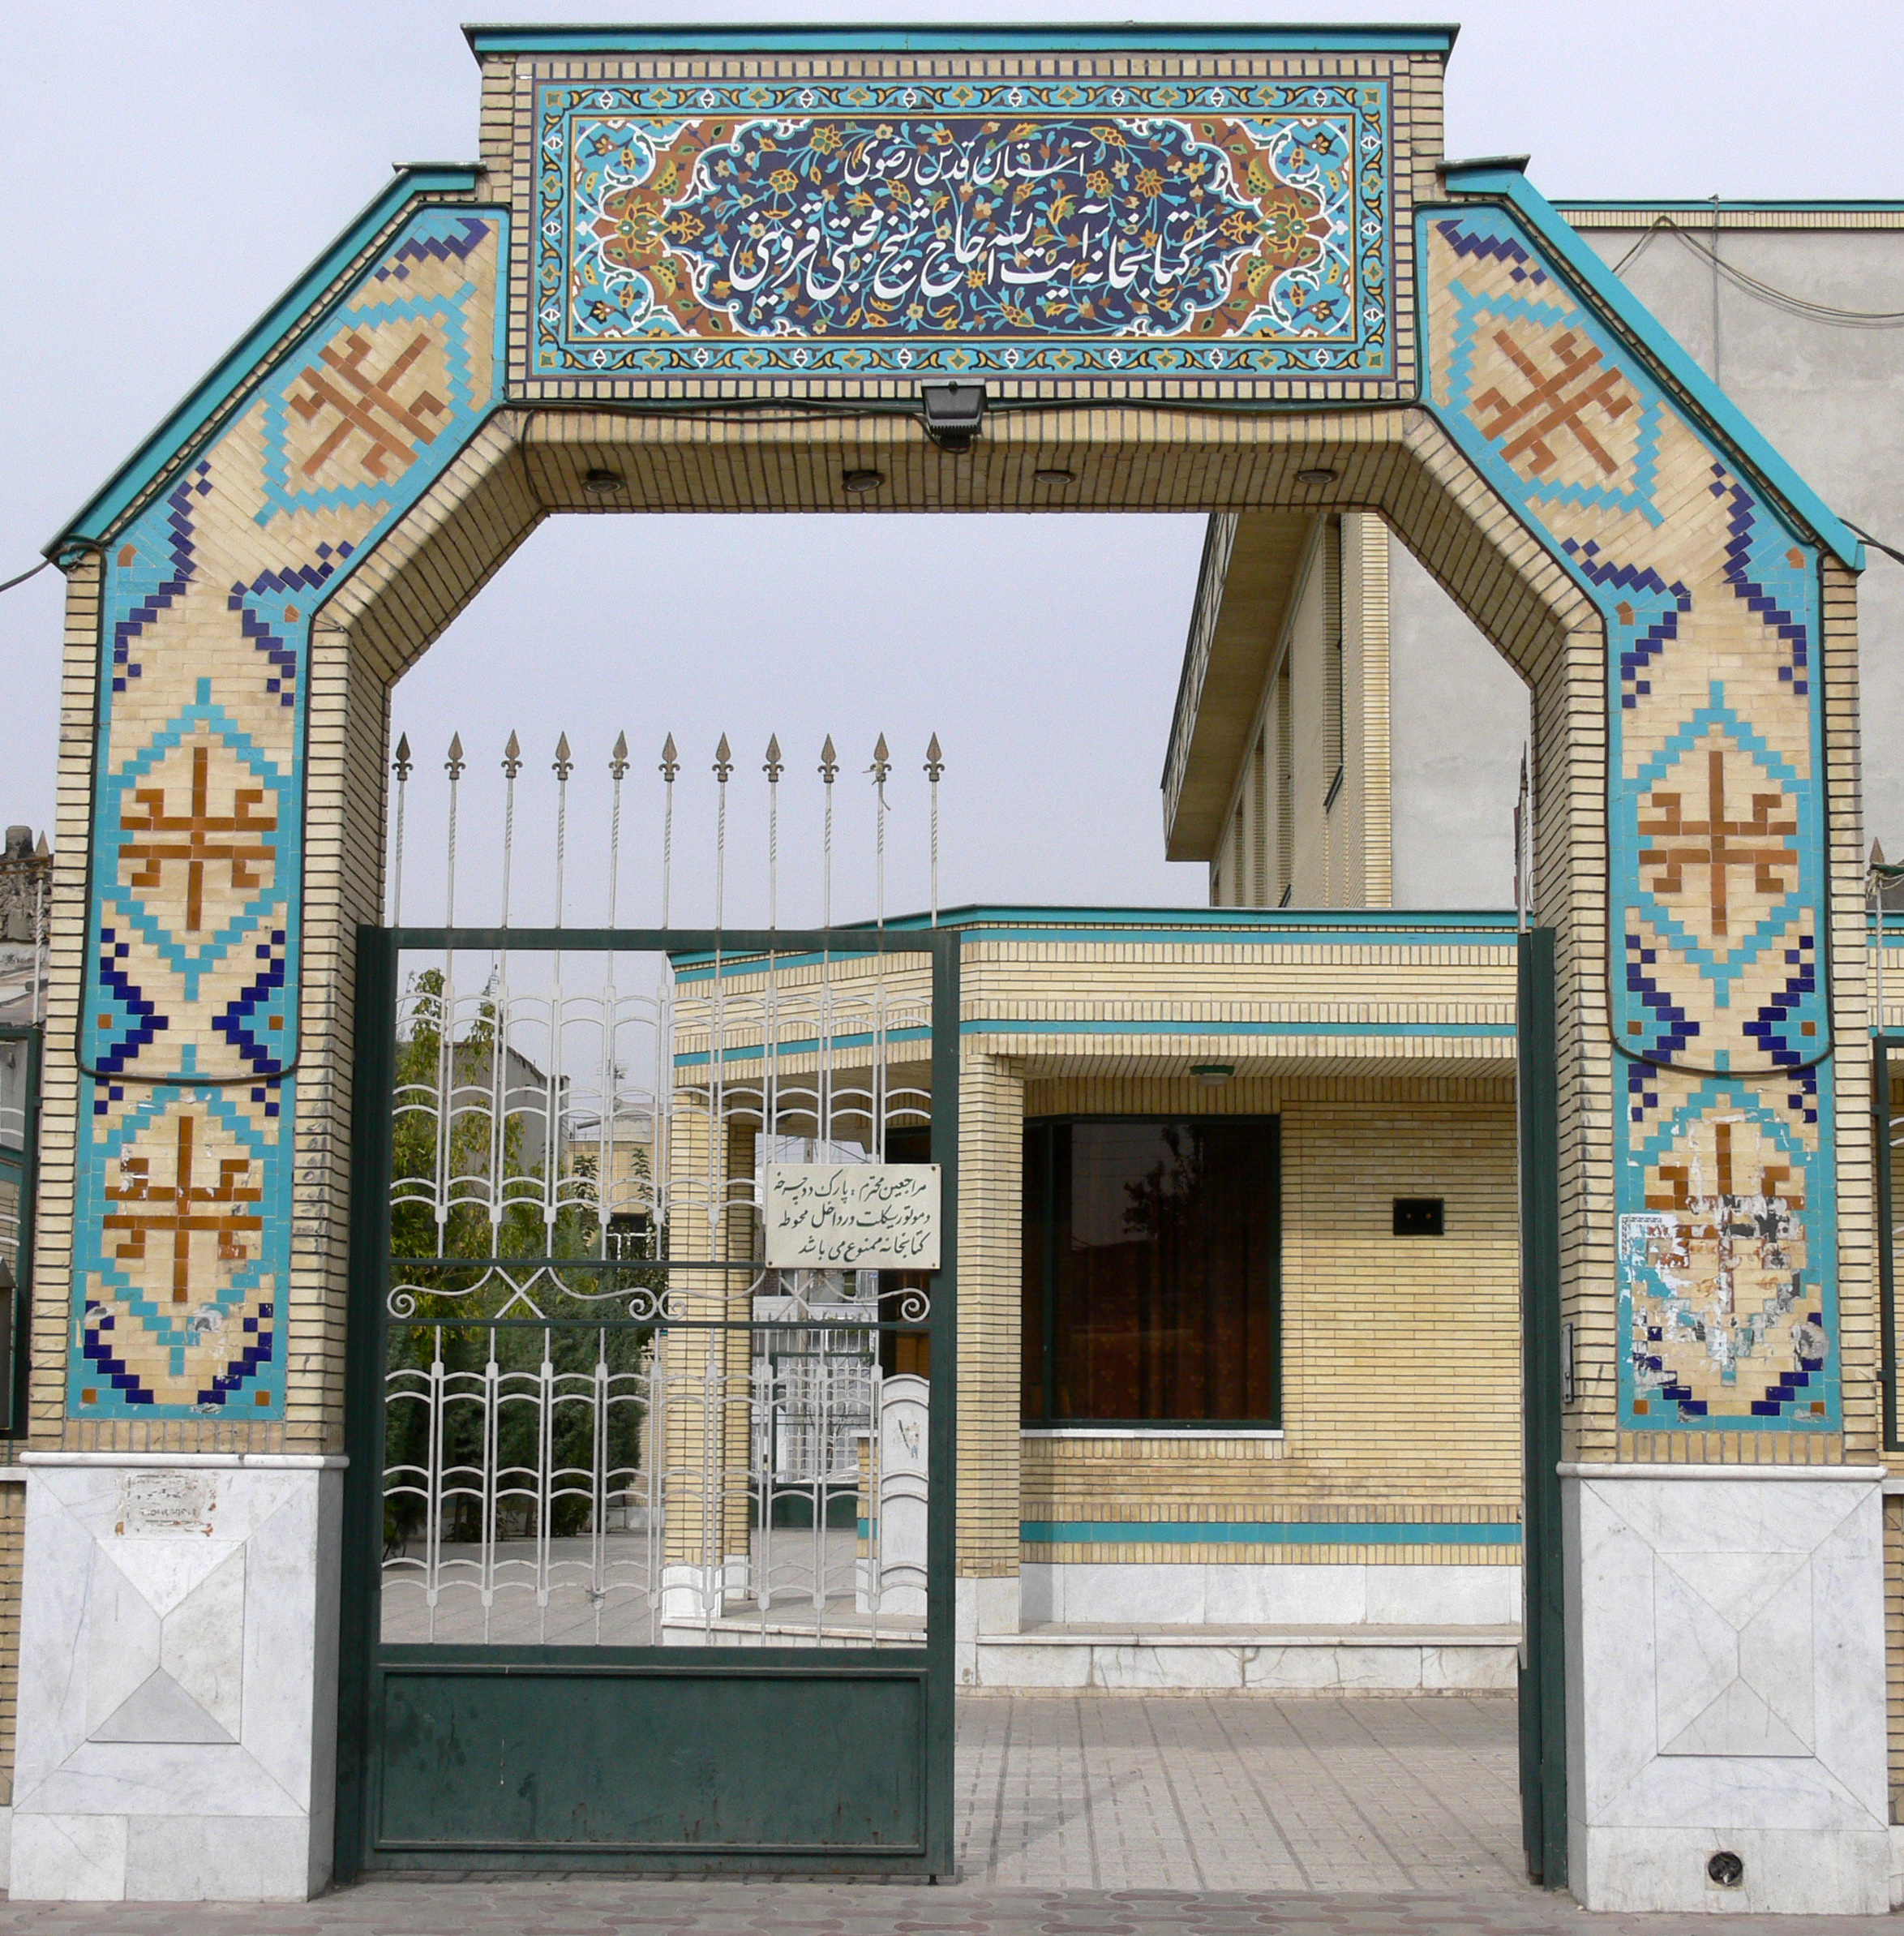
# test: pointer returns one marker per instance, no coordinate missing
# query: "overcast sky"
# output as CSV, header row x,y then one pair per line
x,y
172,166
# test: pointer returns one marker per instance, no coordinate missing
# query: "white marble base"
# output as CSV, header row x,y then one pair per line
x,y
1726,1689
177,1683
980,1606
1252,1595
1344,1660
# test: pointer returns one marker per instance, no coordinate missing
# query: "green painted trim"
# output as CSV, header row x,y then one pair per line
x,y
1750,445
1501,1030
1883,1045
175,436
699,1058
902,37
1320,927
1486,919
1563,202
1264,1532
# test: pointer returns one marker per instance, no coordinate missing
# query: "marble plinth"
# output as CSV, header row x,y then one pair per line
x,y
1725,1687
178,1678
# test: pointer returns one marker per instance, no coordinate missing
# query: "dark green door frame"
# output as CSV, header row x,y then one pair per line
x,y
21,1167
1543,1679
820,1760
1885,1050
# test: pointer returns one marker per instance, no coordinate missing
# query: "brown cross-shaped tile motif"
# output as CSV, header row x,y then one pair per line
x,y
1557,400
192,838
393,431
1718,844
183,1209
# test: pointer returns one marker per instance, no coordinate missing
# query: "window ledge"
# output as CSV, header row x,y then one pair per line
x,y
1172,1432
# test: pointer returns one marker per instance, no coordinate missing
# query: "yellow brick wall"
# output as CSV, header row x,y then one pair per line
x,y
990,1157
1401,1371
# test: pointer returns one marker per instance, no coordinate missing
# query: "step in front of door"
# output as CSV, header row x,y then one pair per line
x,y
1359,1660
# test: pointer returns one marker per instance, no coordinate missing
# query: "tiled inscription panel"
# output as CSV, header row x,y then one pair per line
x,y
1003,227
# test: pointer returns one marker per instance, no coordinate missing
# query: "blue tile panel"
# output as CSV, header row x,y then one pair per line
x,y
1076,227
1724,1174
189,1038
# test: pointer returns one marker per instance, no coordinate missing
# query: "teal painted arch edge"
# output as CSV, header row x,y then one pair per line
x,y
952,37
1487,180
179,433
1670,205
1265,1532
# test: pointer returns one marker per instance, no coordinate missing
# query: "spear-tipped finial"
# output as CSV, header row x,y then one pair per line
x,y
564,763
512,757
829,762
42,851
671,761
773,768
723,764
935,761
618,760
882,762
401,765
453,765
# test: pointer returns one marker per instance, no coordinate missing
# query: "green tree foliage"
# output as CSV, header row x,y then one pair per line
x,y
453,1298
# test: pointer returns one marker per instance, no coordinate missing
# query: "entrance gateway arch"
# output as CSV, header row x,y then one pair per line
x,y
1195,269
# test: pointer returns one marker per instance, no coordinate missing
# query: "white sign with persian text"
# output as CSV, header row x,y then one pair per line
x,y
852,1215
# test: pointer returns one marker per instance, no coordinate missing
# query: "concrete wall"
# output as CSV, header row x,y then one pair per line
x,y
1459,719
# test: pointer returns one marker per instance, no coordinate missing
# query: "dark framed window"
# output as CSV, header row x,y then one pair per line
x,y
1152,1271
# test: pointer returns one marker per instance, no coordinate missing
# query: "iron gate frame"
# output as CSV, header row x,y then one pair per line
x,y
1541,1681
1883,1049
365,1660
22,1167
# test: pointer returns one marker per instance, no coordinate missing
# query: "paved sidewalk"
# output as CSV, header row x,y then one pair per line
x,y
572,1906
1239,1792
1087,1815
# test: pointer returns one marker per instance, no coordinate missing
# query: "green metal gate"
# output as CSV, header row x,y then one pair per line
x,y
1887,1127
1543,1357
648,1550
19,1160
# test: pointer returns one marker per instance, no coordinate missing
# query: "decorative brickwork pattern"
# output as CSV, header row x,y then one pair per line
x,y
189,1020
1712,601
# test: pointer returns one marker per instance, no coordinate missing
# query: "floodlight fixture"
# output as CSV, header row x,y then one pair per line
x,y
953,413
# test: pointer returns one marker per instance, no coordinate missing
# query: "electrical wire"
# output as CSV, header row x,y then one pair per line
x,y
1764,292
1890,550
25,575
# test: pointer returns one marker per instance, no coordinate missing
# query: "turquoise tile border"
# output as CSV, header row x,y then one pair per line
x,y
1266,1532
